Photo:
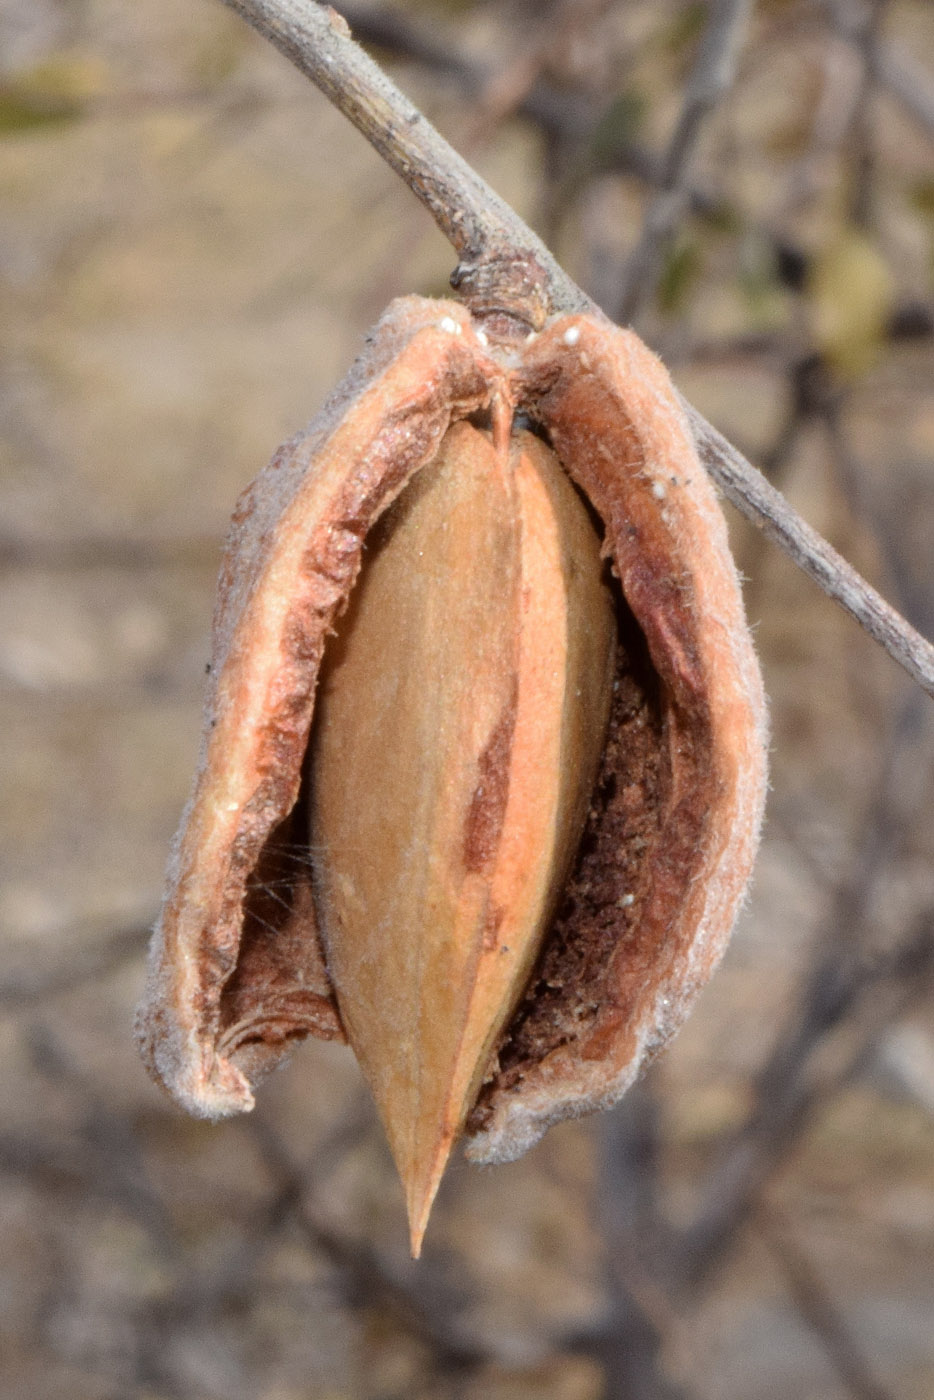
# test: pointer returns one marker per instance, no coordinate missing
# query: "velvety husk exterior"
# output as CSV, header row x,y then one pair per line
x,y
675,818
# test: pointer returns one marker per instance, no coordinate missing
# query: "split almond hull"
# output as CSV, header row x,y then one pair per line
x,y
673,822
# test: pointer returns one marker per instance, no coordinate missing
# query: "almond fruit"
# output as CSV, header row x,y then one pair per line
x,y
514,749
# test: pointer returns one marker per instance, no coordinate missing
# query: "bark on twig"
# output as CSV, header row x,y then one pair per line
x,y
756,499
481,227
486,232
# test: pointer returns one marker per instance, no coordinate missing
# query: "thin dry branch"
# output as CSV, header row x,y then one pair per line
x,y
818,1309
710,79
486,232
907,80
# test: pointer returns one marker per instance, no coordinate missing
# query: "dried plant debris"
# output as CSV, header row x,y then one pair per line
x,y
483,763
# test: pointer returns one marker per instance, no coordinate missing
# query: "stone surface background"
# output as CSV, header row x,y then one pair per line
x,y
192,244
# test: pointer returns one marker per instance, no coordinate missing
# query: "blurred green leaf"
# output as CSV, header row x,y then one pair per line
x,y
722,217
758,273
618,127
921,196
851,292
51,93
685,27
22,110
679,273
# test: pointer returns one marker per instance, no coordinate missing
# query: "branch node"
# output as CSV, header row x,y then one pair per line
x,y
507,293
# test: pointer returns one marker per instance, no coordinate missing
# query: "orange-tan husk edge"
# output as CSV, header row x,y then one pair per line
x,y
236,974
